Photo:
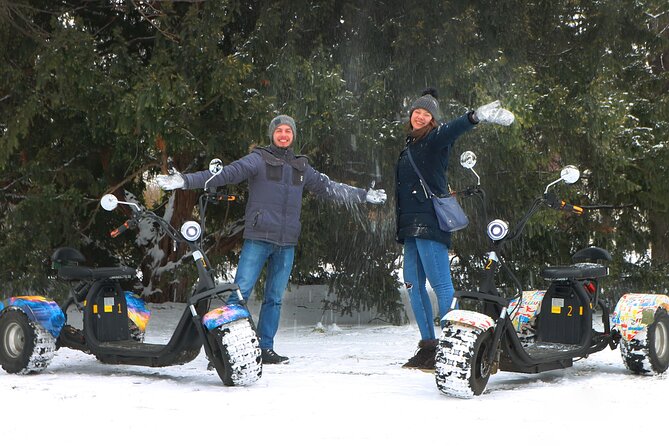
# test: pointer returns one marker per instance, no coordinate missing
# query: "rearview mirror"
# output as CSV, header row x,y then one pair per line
x,y
468,159
215,166
570,174
109,202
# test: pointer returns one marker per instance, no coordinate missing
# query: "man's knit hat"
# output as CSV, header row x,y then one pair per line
x,y
279,120
428,101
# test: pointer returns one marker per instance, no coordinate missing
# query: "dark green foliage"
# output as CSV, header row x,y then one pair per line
x,y
95,95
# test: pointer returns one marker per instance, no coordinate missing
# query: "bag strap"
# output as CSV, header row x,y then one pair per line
x,y
423,183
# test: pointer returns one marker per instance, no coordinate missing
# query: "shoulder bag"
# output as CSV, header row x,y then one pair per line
x,y
450,215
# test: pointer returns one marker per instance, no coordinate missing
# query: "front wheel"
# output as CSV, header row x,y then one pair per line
x,y
237,353
25,346
650,354
461,367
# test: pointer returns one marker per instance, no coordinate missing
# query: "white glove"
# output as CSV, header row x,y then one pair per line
x,y
376,196
494,113
170,182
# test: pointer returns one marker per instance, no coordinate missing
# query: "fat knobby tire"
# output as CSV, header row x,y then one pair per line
x,y
649,354
240,358
25,347
456,361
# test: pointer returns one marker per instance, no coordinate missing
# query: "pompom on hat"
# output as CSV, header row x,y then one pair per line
x,y
428,101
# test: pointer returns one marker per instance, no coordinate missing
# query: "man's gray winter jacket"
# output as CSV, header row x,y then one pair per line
x,y
276,179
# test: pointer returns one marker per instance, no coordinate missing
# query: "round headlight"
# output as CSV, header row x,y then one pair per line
x,y
191,230
497,229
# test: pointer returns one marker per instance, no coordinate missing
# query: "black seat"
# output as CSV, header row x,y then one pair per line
x,y
578,271
86,273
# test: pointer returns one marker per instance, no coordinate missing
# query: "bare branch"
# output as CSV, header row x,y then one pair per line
x,y
167,35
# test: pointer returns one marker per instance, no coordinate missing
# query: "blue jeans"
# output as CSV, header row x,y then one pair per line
x,y
427,259
279,261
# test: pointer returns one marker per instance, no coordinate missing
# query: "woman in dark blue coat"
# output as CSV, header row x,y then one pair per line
x,y
425,245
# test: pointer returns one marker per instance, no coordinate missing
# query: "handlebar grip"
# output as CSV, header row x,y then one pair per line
x,y
121,229
564,206
216,197
225,197
468,192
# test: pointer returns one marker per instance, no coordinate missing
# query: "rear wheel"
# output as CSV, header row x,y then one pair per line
x,y
461,367
651,354
25,346
237,353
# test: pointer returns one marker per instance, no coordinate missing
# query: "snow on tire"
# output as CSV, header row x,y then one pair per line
x,y
460,362
649,353
239,363
25,347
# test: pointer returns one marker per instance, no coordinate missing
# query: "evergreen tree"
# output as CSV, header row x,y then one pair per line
x,y
96,96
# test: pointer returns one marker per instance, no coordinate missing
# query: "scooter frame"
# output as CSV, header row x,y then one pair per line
x,y
32,327
475,344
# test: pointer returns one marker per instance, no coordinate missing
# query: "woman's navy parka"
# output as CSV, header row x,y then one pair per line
x,y
415,212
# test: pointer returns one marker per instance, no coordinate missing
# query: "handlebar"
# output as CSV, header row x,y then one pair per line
x,y
550,200
140,214
571,208
216,197
553,202
469,191
129,224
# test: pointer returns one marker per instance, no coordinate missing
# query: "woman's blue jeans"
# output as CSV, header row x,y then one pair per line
x,y
279,261
427,259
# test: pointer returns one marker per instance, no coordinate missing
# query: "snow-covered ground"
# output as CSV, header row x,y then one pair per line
x,y
344,385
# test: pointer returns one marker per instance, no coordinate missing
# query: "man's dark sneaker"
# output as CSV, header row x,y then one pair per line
x,y
269,356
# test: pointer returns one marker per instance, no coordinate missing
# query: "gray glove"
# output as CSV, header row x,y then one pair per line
x,y
170,182
376,196
494,113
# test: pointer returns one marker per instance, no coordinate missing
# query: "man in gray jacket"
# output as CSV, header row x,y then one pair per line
x,y
277,178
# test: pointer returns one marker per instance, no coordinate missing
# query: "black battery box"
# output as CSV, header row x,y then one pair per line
x,y
110,314
561,316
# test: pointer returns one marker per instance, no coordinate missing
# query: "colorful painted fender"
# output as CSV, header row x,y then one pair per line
x,y
40,310
635,311
523,315
137,311
471,318
224,315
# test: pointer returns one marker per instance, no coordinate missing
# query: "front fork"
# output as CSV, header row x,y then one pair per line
x,y
199,326
489,286
197,319
492,355
491,358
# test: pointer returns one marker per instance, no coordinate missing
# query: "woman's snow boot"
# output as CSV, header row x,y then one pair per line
x,y
424,357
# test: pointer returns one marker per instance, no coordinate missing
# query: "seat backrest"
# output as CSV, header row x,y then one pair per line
x,y
591,254
66,256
